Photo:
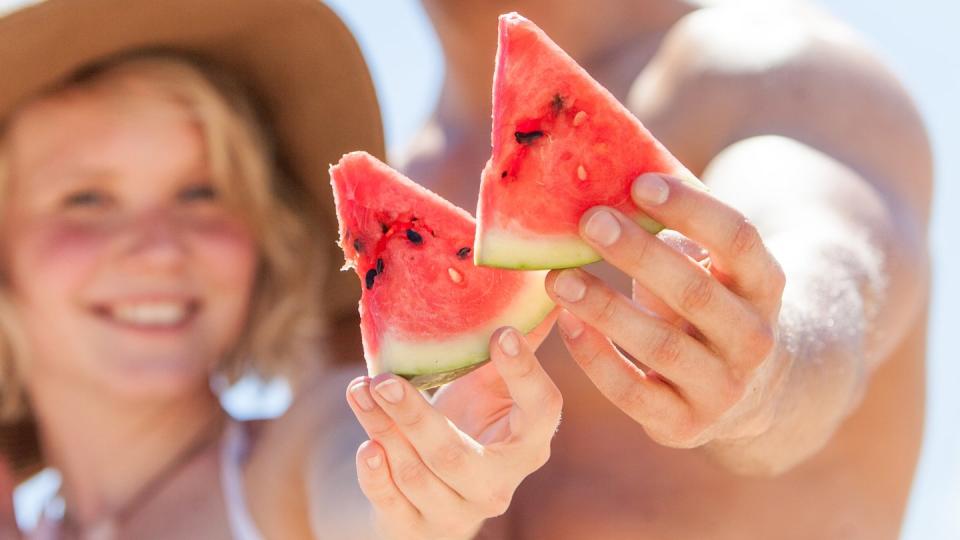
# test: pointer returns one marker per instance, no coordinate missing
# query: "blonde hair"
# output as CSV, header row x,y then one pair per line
x,y
285,324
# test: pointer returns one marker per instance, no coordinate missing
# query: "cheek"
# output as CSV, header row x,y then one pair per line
x,y
55,259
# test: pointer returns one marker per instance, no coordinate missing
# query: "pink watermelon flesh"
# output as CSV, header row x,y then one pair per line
x,y
426,312
561,145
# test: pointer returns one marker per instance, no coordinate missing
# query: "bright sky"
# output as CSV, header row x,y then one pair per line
x,y
919,40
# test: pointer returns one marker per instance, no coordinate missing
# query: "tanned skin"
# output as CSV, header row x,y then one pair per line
x,y
777,393
795,408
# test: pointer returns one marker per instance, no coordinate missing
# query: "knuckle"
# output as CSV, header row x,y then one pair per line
x,y
589,359
607,308
413,418
379,489
760,341
450,457
697,293
689,433
745,238
525,368
382,499
551,400
732,392
666,347
777,280
383,430
641,247
412,474
626,396
498,502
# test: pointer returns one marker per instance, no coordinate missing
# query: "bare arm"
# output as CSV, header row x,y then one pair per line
x,y
841,199
801,131
856,276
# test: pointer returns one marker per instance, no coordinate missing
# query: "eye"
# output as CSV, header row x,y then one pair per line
x,y
86,199
199,192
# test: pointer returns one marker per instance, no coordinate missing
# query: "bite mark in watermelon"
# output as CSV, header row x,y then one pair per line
x,y
561,145
426,312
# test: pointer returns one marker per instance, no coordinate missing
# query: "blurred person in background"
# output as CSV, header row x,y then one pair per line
x,y
166,227
778,383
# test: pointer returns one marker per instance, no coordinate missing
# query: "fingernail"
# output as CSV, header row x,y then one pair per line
x,y
569,286
509,343
374,461
360,395
391,390
570,324
650,189
602,228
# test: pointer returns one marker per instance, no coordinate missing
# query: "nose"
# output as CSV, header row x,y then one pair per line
x,y
156,241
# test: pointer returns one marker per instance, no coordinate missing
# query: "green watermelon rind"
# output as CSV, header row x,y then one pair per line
x,y
533,251
419,361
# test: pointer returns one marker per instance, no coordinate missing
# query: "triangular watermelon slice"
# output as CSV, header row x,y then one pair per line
x,y
426,312
561,145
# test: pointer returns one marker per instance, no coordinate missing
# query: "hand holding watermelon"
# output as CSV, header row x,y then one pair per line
x,y
575,177
438,471
715,371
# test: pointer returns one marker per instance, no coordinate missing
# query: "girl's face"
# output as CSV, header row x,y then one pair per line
x,y
128,272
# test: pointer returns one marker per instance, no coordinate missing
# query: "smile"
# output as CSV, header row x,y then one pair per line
x,y
150,315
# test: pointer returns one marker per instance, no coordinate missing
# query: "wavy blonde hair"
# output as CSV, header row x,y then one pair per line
x,y
285,324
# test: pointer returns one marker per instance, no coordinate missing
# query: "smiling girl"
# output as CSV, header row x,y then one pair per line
x,y
161,231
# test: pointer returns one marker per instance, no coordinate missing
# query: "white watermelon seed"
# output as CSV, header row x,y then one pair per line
x,y
579,118
455,276
581,173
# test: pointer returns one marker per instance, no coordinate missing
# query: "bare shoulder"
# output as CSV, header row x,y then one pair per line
x,y
727,73
281,472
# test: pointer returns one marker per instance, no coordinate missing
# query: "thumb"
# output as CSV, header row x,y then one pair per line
x,y
8,518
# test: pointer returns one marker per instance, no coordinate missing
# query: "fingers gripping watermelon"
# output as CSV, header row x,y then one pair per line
x,y
561,144
426,312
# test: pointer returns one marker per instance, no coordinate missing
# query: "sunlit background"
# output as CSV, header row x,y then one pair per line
x,y
918,38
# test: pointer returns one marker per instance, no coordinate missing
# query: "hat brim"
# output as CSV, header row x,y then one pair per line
x,y
296,57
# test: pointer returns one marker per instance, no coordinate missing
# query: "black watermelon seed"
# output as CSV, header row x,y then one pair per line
x,y
463,252
414,218
358,246
414,236
557,103
379,266
503,174
371,275
527,137
384,228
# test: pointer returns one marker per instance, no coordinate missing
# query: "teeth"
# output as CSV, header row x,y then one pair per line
x,y
152,314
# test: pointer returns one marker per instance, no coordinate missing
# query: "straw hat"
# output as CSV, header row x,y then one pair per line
x,y
296,58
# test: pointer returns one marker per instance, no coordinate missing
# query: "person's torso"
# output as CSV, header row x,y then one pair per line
x,y
607,480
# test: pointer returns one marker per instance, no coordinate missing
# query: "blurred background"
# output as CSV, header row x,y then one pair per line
x,y
917,38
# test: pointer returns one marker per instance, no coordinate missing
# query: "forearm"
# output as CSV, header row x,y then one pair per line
x,y
830,304
855,263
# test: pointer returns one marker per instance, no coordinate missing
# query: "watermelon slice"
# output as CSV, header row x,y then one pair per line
x,y
426,312
561,145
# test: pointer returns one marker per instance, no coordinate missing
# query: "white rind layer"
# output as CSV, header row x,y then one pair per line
x,y
525,250
506,249
409,358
